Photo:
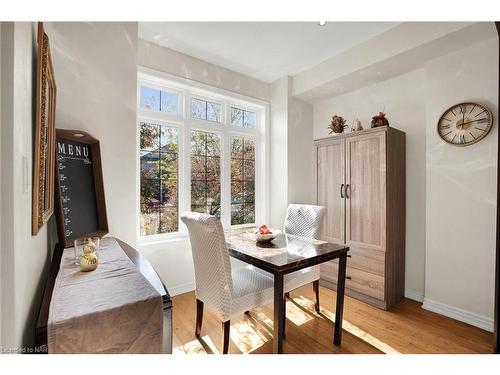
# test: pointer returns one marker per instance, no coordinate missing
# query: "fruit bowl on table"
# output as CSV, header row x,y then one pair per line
x,y
265,235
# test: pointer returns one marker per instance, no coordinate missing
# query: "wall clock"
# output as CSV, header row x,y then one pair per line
x,y
464,124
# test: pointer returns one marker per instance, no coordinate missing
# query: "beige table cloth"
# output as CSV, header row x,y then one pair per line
x,y
113,309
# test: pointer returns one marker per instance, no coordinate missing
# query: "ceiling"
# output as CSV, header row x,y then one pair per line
x,y
262,50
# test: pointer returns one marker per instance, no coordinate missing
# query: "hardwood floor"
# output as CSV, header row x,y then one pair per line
x,y
406,328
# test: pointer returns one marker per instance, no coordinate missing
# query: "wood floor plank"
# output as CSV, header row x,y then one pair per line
x,y
407,328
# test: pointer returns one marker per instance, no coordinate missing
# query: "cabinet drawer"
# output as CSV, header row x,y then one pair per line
x,y
357,280
367,260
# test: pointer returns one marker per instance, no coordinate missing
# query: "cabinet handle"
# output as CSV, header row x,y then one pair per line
x,y
341,189
348,277
347,187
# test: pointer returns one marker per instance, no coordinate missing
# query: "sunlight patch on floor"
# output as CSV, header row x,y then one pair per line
x,y
195,347
296,315
305,303
348,327
247,337
263,318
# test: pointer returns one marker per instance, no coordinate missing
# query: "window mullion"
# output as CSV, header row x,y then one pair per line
x,y
226,180
182,179
206,173
226,169
160,205
185,165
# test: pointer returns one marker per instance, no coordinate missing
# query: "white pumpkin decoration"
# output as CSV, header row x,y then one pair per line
x,y
356,126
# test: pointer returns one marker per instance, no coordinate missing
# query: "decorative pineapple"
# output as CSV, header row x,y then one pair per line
x,y
379,120
88,262
337,125
89,247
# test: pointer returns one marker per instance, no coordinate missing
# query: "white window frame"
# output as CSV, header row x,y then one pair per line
x,y
155,86
243,108
205,99
187,89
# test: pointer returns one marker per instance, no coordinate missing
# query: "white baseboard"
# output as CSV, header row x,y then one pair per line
x,y
468,317
180,289
416,296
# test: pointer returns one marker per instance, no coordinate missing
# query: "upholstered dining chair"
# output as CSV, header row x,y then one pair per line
x,y
305,221
228,292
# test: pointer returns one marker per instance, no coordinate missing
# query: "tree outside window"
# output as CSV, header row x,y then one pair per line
x,y
242,181
205,172
159,179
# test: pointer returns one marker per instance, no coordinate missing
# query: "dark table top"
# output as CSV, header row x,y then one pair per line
x,y
284,254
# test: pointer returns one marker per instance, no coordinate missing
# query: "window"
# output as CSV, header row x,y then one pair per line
x,y
205,173
242,118
242,181
159,101
201,149
159,171
205,110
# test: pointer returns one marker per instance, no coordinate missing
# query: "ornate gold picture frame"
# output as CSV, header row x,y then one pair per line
x,y
45,134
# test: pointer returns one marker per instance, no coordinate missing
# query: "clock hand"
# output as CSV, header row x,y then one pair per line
x,y
468,122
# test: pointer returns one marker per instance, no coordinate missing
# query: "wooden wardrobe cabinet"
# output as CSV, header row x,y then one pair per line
x,y
360,179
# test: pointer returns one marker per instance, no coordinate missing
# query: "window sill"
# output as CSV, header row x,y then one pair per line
x,y
158,240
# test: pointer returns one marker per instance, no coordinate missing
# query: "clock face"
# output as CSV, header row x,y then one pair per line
x,y
465,124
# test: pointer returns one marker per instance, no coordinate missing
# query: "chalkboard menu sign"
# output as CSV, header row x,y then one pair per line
x,y
80,205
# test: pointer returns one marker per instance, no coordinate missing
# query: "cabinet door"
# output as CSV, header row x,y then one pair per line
x,y
366,193
330,175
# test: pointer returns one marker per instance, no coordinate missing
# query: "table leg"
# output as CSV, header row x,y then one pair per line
x,y
337,337
279,313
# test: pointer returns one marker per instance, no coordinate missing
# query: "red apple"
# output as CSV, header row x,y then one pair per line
x,y
264,229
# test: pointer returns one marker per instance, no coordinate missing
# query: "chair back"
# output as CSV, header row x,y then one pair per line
x,y
212,266
304,220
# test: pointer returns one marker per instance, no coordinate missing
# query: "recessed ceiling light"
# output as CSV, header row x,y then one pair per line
x,y
322,23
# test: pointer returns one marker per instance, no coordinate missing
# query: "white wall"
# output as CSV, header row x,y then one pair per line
x,y
6,165
166,60
451,191
300,152
25,258
461,190
278,179
397,51
291,151
96,76
403,99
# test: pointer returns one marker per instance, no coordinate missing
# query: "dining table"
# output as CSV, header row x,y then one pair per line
x,y
283,255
